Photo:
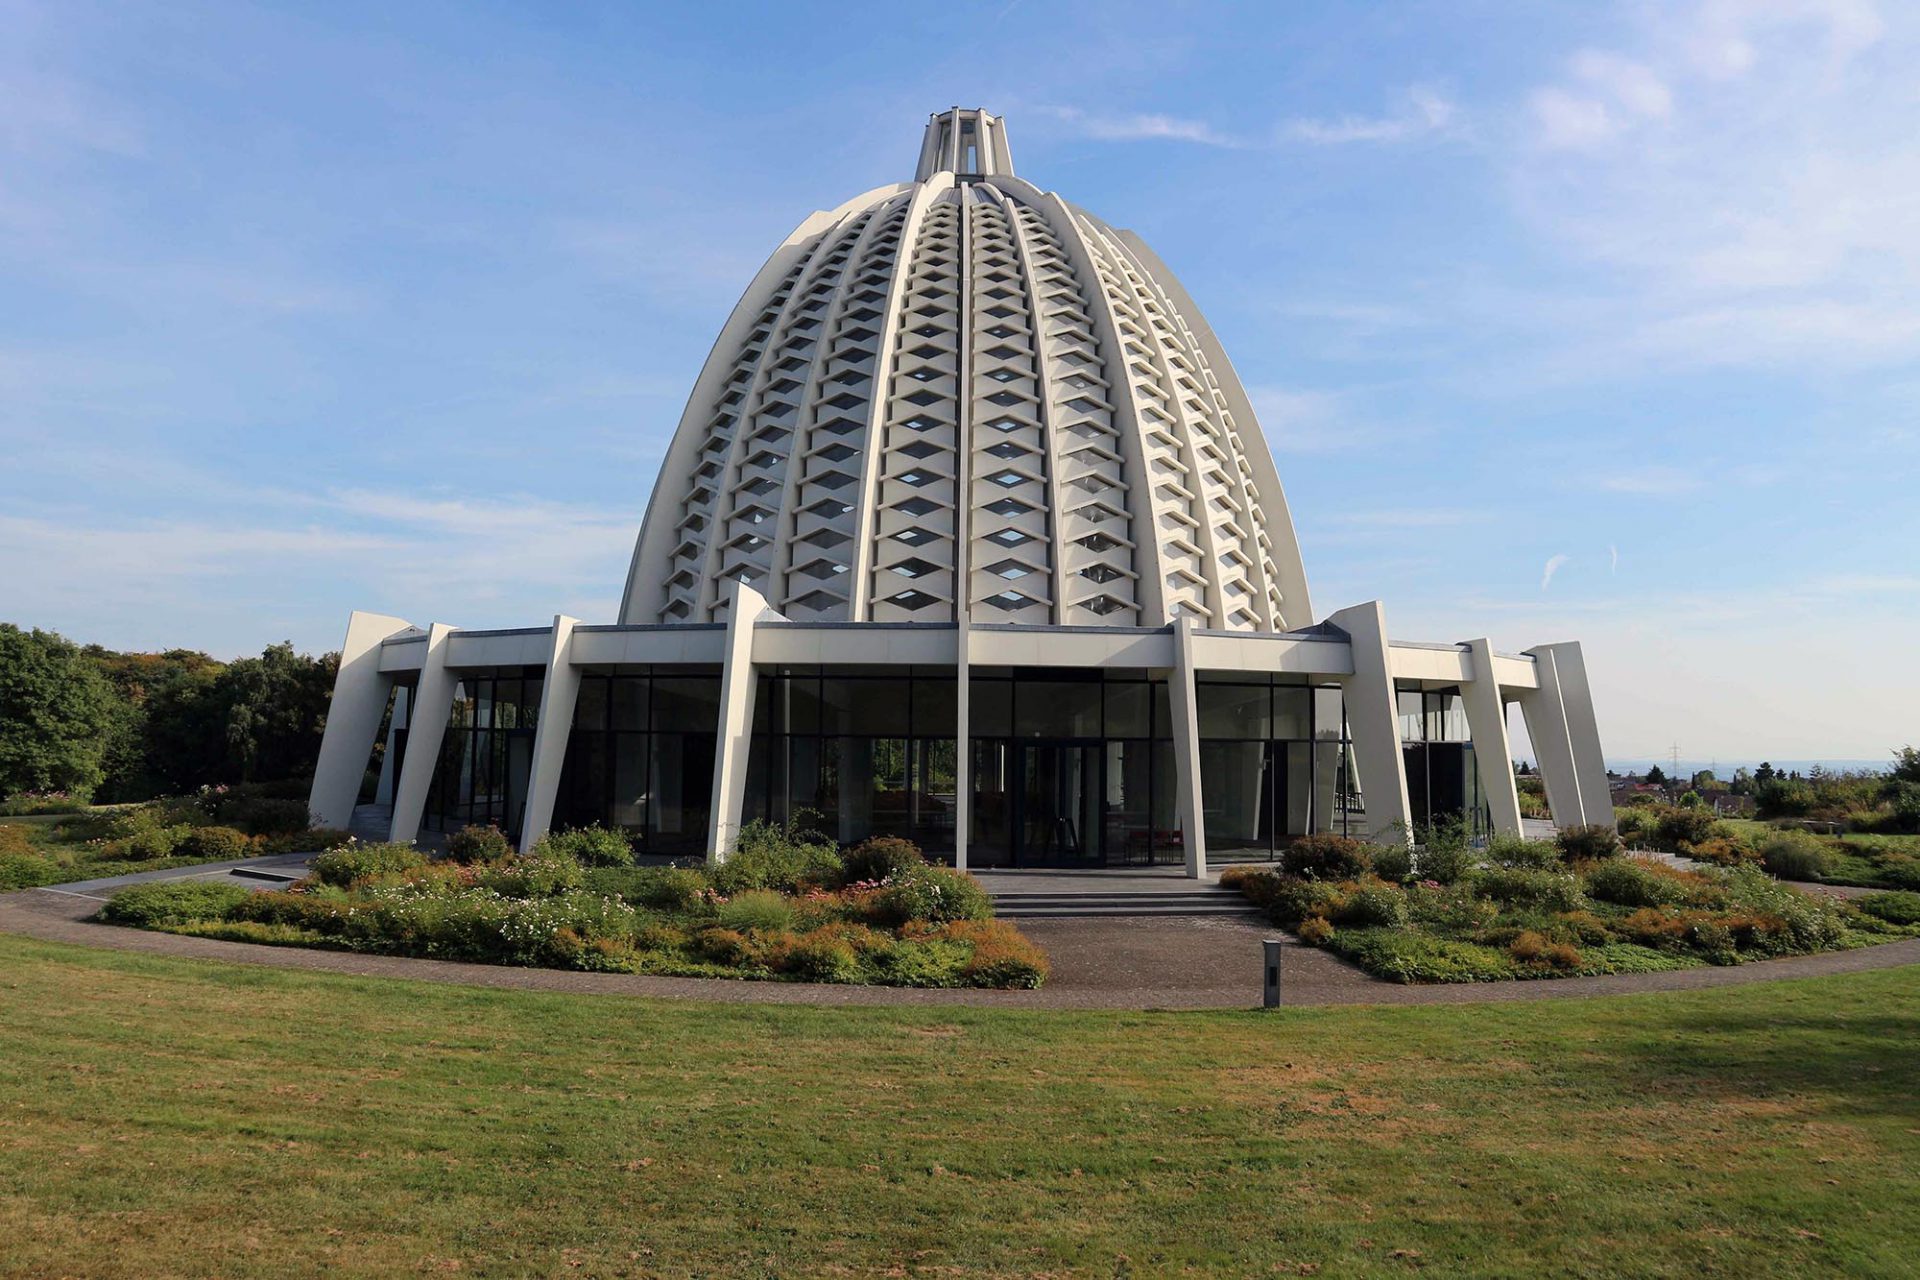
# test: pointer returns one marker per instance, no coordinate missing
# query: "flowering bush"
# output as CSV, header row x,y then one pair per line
x,y
353,862
477,844
923,892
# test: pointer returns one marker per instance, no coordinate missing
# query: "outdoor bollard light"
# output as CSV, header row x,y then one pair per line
x,y
1270,998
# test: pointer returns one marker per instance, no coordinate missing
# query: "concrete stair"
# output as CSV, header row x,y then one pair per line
x,y
1095,903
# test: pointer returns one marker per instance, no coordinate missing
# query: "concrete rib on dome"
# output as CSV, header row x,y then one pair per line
x,y
965,393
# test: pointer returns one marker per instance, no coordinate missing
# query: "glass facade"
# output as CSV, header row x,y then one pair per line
x,y
858,751
486,756
1443,778
1275,763
641,756
1071,769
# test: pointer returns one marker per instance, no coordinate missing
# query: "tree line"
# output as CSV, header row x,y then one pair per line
x,y
112,727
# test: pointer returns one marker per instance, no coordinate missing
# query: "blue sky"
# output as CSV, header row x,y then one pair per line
x,y
1564,320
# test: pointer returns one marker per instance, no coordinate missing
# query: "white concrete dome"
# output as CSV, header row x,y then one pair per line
x,y
965,389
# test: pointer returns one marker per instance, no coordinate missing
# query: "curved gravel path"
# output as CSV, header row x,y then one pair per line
x,y
1160,963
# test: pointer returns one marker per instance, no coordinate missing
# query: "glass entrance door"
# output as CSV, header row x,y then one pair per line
x,y
1058,819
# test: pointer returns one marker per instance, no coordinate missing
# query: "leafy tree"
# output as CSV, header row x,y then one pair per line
x,y
1704,781
1765,773
1906,765
1657,776
273,710
1742,783
55,714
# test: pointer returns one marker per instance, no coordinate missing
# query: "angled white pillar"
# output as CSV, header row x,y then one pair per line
x,y
735,738
1373,718
561,691
1492,752
1184,706
1583,733
353,719
432,704
1552,747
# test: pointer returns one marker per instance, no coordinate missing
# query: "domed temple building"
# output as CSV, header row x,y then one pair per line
x,y
969,535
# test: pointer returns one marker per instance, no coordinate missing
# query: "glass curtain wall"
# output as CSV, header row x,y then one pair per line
x,y
486,755
1275,763
860,751
1443,778
640,757
1071,768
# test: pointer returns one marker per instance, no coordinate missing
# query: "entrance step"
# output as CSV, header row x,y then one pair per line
x,y
1032,905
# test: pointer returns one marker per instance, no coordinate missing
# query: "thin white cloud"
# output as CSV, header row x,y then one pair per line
x,y
1320,422
1144,127
1554,565
1652,482
1427,112
1613,559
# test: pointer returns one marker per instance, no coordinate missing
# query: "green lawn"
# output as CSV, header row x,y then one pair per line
x,y
173,1117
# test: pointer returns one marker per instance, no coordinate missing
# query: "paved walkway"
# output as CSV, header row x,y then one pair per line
x,y
1162,963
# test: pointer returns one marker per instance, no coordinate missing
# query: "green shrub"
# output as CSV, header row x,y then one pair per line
x,y
1783,798
936,894
343,866
1314,931
1531,887
589,846
1445,857
882,856
1001,956
1894,908
762,909
1295,899
1793,856
1393,863
1325,857
151,843
1635,823
1632,882
1905,798
1401,955
26,871
171,902
1588,843
532,876
1374,905
477,844
1516,853
1677,827
1256,884
768,856
266,817
820,956
217,844
1900,872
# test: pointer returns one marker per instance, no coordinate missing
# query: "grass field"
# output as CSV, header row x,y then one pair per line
x,y
163,1117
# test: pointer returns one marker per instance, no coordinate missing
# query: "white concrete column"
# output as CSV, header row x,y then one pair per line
x,y
353,719
1492,752
1185,708
432,704
1583,732
737,685
1552,747
1373,718
557,696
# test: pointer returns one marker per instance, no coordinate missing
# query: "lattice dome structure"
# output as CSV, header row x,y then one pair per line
x,y
964,393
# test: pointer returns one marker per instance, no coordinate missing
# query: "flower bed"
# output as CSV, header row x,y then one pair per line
x,y
1535,909
781,907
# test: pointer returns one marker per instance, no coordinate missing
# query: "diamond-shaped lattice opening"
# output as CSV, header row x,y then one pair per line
x,y
760,486
825,538
828,507
1010,601
837,452
929,331
823,569
918,506
1009,537
819,601
916,536
766,460
914,568
1003,375
678,609
922,423
1101,573
1008,449
1101,606
831,480
1097,542
1006,424
918,478
1001,331
1004,352
1011,570
924,375
912,599
926,398
922,449
1008,507
1007,479
1005,399
926,351
840,426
